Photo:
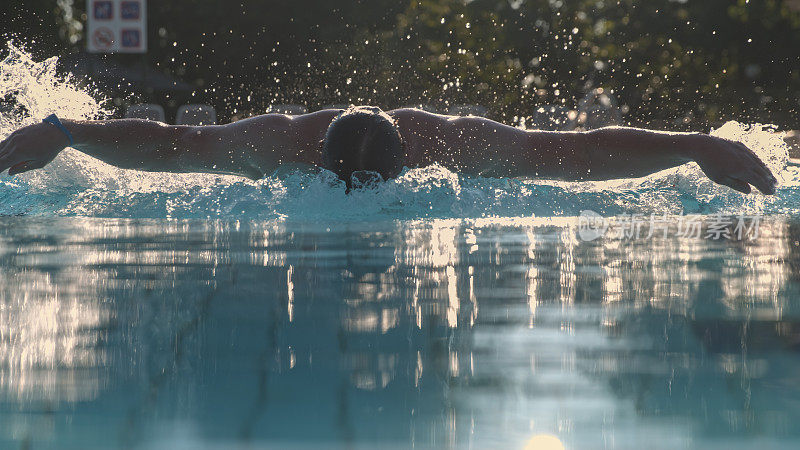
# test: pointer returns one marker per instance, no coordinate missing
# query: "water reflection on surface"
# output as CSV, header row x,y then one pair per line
x,y
505,333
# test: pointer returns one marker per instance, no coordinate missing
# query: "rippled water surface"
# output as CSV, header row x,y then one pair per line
x,y
120,333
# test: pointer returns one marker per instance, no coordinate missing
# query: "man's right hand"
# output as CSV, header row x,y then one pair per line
x,y
31,147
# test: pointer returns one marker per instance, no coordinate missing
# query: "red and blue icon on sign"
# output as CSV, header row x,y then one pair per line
x,y
131,38
130,10
103,10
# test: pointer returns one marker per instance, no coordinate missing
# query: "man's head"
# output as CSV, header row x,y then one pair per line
x,y
363,139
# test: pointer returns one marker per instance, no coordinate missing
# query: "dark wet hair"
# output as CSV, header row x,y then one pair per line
x,y
360,140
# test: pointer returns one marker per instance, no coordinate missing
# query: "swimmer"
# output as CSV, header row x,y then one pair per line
x,y
362,141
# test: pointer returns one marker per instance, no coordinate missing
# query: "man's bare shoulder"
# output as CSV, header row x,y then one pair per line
x,y
414,113
412,119
278,123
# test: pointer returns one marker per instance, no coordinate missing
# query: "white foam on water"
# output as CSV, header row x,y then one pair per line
x,y
76,184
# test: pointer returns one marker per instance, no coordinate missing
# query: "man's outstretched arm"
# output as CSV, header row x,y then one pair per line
x,y
617,152
249,147
481,146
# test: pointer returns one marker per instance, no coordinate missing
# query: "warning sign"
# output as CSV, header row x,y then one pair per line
x,y
116,26
103,39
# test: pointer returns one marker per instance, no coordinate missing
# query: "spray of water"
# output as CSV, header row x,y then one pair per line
x,y
75,184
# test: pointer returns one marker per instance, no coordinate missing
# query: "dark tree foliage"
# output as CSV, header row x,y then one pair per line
x,y
677,64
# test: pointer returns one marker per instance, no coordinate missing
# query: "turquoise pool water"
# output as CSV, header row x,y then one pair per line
x,y
122,333
163,311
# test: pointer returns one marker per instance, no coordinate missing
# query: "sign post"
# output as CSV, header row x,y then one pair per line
x,y
116,26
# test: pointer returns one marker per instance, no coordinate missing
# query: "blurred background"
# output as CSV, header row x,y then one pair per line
x,y
671,64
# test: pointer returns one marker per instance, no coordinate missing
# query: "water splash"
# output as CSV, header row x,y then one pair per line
x,y
77,185
30,90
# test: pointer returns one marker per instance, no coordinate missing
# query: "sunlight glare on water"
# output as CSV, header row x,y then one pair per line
x,y
544,442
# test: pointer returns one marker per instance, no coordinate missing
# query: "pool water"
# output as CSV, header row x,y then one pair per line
x,y
163,311
122,333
